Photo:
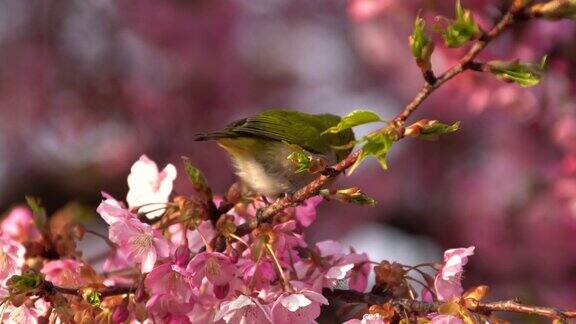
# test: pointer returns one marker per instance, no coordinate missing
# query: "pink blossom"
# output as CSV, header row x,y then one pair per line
x,y
169,278
447,282
214,266
306,213
300,307
64,273
11,258
168,307
287,240
329,248
19,225
112,211
368,319
446,319
25,313
149,187
354,267
139,242
564,133
115,260
243,309
259,274
195,241
361,10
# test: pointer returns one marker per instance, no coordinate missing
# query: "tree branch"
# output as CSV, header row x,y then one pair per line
x,y
314,187
423,308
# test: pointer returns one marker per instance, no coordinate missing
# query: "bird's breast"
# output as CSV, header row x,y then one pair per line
x,y
263,166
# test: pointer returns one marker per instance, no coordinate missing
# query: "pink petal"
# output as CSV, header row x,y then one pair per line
x,y
306,213
148,261
446,319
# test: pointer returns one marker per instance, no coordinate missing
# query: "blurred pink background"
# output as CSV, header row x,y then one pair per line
x,y
87,86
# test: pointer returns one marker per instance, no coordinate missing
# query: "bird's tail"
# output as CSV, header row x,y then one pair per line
x,y
212,136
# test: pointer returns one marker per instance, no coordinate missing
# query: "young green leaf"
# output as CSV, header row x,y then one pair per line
x,y
461,29
356,196
93,298
301,159
305,162
355,118
378,146
430,129
196,177
420,44
525,74
347,146
38,211
18,284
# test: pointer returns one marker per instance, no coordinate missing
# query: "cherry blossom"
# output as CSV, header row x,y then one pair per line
x,y
171,278
447,281
111,210
354,267
19,225
139,242
298,307
368,319
214,266
11,258
26,313
306,213
149,187
64,273
446,319
243,309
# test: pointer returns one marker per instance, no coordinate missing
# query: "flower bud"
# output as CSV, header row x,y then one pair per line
x,y
558,9
140,294
182,255
120,313
421,45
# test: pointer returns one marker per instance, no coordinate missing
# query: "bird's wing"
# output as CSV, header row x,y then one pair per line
x,y
288,126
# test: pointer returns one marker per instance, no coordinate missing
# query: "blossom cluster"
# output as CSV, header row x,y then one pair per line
x,y
165,265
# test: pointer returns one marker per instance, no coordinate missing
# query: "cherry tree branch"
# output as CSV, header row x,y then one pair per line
x,y
423,308
465,63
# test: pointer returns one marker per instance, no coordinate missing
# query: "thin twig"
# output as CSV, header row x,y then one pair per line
x,y
421,307
314,187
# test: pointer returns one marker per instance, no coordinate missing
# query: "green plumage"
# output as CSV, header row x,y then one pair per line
x,y
259,146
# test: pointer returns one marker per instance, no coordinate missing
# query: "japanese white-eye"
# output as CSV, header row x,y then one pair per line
x,y
260,146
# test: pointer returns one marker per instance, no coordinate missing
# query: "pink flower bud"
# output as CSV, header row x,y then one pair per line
x,y
182,256
120,314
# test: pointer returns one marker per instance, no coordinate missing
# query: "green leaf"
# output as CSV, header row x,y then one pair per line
x,y
38,211
420,44
433,129
355,118
348,146
378,146
93,298
461,29
301,159
18,284
354,196
196,177
525,74
362,199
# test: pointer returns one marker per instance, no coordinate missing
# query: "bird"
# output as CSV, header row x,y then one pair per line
x,y
259,146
